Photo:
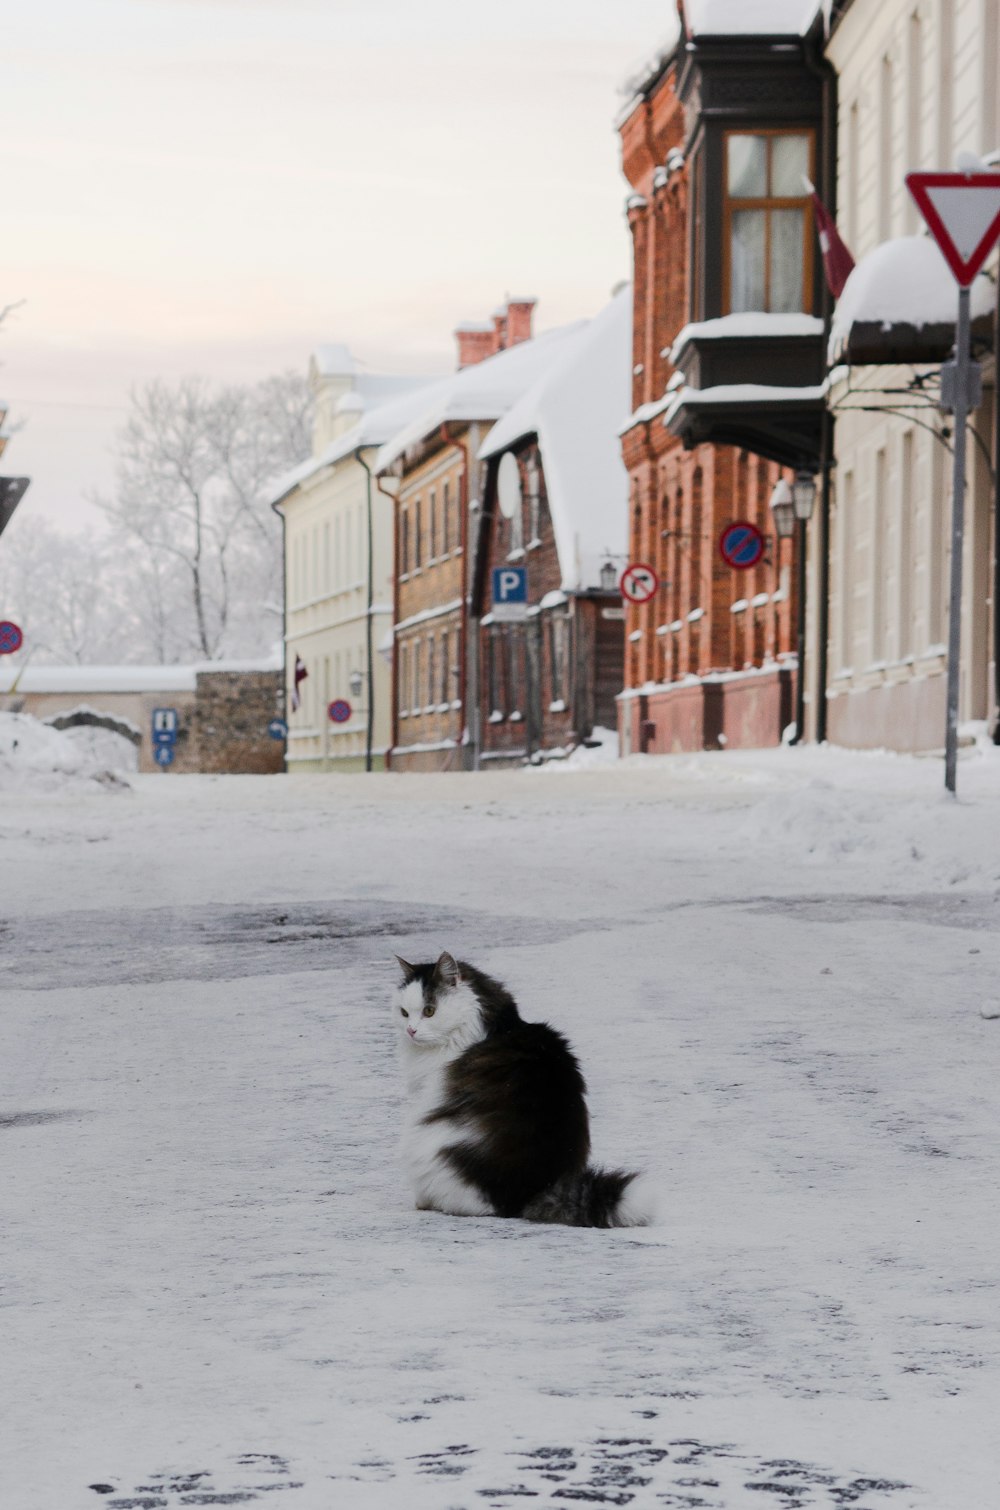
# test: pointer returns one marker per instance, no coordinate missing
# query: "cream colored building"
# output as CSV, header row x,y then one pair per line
x,y
333,582
918,82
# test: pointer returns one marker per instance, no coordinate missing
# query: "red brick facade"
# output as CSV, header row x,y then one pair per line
x,y
430,593
544,682
708,621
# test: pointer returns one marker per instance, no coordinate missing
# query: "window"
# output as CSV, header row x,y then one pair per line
x,y
445,517
417,543
432,526
403,700
415,678
769,250
534,480
431,671
494,650
404,542
445,696
558,660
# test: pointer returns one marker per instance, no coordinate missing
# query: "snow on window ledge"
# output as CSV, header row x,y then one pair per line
x,y
516,717
558,706
517,554
496,717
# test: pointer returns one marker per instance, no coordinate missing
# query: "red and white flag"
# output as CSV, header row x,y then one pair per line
x,y
298,676
838,264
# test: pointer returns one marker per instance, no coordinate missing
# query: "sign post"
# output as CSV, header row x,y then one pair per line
x,y
962,211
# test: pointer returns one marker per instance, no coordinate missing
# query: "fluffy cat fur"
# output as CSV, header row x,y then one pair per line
x,y
496,1115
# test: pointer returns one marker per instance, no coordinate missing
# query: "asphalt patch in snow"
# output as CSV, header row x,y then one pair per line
x,y
680,1474
148,945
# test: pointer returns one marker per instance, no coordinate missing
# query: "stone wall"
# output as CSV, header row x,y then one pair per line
x,y
230,722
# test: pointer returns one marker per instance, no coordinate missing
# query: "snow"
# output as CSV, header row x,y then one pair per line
x,y
35,756
741,393
393,410
903,281
575,407
746,325
739,18
773,966
483,391
130,678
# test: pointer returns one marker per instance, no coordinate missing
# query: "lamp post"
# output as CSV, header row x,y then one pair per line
x,y
356,682
802,497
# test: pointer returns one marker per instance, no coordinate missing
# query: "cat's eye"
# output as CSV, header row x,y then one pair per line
x,y
404,1011
429,1011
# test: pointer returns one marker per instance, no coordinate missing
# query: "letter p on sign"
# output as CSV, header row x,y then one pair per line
x,y
510,591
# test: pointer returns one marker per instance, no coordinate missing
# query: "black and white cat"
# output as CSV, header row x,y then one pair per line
x,y
496,1114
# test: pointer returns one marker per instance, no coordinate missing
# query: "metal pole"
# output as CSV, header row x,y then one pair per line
x,y
369,656
962,396
800,631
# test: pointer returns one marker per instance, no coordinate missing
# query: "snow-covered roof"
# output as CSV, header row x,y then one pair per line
x,y
483,391
766,18
746,325
78,679
575,407
905,281
375,426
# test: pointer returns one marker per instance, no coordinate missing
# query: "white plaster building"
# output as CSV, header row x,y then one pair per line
x,y
918,82
330,574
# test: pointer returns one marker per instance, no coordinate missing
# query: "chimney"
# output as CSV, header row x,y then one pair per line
x,y
519,313
475,343
508,325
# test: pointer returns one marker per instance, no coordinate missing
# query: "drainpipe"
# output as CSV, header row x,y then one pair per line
x,y
394,699
996,521
368,618
824,70
276,506
471,724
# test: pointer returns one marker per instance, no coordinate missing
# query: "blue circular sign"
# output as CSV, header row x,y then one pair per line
x,y
741,544
11,638
339,710
277,728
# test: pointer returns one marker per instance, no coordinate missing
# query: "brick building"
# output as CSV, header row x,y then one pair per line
x,y
710,659
432,470
555,503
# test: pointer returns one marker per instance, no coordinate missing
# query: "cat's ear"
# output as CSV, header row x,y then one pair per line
x,y
446,970
409,971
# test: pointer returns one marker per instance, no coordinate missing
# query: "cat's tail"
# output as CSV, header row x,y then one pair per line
x,y
596,1198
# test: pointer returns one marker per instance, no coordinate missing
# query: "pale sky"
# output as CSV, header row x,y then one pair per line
x,y
217,186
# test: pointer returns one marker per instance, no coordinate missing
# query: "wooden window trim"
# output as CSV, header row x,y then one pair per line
x,y
802,202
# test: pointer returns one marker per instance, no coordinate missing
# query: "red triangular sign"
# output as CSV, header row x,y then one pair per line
x,y
962,211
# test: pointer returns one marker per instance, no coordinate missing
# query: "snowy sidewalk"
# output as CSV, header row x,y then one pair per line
x,y
772,967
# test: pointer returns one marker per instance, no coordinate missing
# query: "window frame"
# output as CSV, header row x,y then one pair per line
x,y
768,203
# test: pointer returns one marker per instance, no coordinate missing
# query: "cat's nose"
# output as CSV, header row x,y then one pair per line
x,y
412,1032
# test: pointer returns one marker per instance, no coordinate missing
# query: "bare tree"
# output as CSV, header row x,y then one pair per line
x,y
195,465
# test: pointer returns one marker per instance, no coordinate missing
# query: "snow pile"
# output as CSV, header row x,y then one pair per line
x,y
729,18
905,281
601,749
35,756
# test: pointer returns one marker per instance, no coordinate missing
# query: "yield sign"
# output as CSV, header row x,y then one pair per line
x,y
962,211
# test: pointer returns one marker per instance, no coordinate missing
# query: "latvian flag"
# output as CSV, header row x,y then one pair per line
x,y
838,264
299,675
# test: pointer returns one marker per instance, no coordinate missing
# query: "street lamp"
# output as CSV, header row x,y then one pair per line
x,y
355,681
783,509
803,495
609,576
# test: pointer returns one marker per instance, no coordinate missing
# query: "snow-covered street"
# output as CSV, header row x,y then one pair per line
x,y
777,969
